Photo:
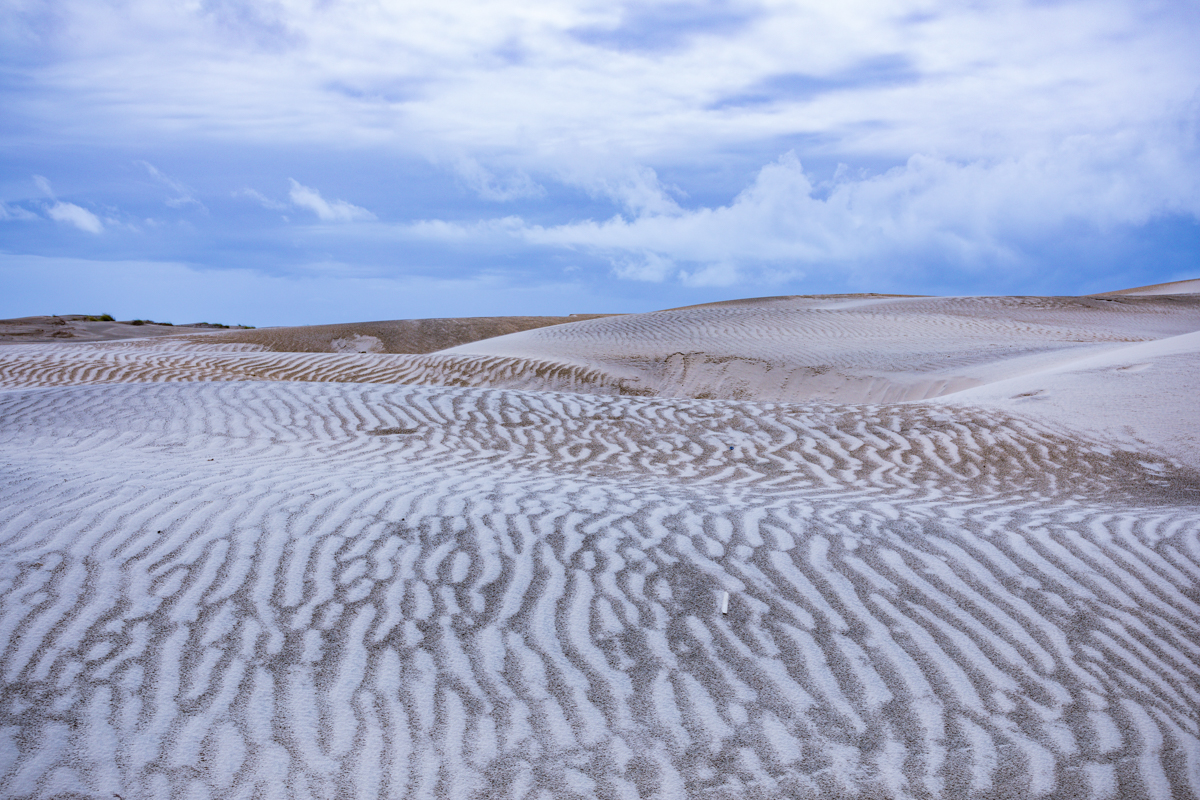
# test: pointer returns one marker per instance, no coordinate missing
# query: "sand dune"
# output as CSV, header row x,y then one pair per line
x,y
390,336
788,349
791,349
1139,396
82,328
845,349
226,572
1174,287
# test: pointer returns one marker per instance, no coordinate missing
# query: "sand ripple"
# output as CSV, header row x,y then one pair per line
x,y
313,590
775,349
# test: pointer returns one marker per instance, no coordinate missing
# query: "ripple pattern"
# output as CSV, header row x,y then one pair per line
x,y
776,349
313,590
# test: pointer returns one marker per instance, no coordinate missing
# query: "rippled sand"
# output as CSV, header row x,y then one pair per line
x,y
226,572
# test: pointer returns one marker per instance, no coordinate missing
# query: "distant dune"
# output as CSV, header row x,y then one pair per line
x,y
854,547
1175,287
78,328
391,336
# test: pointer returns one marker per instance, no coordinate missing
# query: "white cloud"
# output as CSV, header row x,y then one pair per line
x,y
490,186
75,215
1002,118
8,212
336,211
69,213
262,200
637,189
517,83
973,215
645,266
718,274
183,195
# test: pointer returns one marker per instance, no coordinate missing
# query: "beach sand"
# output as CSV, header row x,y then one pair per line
x,y
960,539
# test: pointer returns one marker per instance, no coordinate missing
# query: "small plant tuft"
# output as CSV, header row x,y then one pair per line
x,y
100,318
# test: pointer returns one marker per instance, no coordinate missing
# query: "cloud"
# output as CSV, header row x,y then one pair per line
x,y
259,24
13,212
183,195
59,211
262,200
637,189
336,211
647,81
645,266
489,186
75,215
970,216
642,138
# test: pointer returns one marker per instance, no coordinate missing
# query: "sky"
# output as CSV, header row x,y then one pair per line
x,y
283,162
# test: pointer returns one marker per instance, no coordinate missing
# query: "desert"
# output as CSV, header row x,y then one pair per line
x,y
824,546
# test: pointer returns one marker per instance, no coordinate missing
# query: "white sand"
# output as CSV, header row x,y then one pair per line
x,y
226,572
1174,287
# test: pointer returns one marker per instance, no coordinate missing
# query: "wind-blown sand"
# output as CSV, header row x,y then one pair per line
x,y
961,539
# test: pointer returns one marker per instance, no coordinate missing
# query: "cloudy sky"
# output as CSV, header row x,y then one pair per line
x,y
308,161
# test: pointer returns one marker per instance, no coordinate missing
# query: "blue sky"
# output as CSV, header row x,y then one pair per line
x,y
311,161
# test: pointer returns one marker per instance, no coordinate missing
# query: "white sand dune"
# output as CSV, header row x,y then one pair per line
x,y
790,349
231,573
793,349
1139,396
845,349
1174,287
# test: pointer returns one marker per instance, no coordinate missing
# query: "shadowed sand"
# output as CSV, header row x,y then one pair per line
x,y
391,336
960,538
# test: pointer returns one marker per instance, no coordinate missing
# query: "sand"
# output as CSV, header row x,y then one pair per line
x,y
960,538
1174,287
390,336
80,328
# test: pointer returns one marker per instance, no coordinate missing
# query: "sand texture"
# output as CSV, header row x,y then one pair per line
x,y
960,539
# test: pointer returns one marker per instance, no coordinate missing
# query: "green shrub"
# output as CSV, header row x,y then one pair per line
x,y
101,318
